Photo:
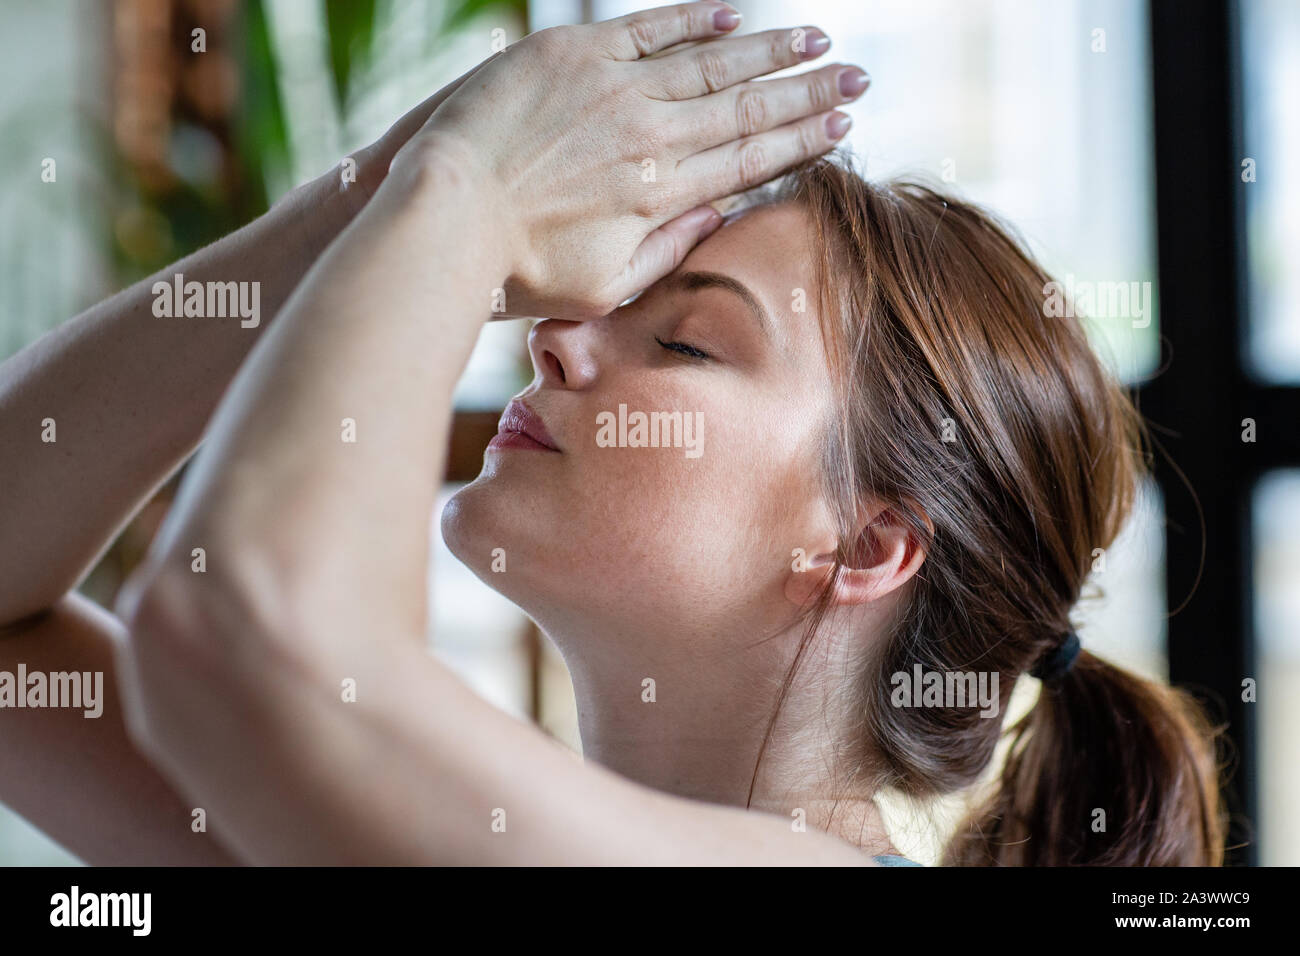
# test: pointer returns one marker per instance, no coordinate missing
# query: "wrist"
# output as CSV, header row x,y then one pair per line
x,y
440,173
322,208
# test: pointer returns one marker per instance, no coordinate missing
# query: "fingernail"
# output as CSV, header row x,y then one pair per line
x,y
853,81
837,124
725,19
815,43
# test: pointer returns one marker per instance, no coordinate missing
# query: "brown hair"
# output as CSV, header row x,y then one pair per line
x,y
935,321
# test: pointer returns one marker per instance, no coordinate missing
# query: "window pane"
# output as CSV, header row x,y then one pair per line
x,y
1039,110
52,264
1270,38
1121,615
1277,623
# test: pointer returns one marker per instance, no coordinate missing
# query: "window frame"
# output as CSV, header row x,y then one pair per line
x,y
1198,402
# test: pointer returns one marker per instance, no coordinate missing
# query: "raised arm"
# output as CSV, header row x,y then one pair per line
x,y
127,394
99,411
287,688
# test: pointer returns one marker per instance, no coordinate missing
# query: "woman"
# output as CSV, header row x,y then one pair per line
x,y
888,459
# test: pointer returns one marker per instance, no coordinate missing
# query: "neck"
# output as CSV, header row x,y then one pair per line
x,y
692,723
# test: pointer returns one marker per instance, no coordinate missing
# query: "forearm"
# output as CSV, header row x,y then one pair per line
x,y
73,771
333,440
98,412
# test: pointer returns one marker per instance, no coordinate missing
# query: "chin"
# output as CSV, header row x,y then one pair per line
x,y
539,570
463,531
477,521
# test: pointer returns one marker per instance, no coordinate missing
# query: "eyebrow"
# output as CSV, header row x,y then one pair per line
x,y
695,281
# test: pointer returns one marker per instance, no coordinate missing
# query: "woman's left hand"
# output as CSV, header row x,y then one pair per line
x,y
598,157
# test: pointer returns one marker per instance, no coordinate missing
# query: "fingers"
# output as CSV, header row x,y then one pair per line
x,y
709,67
649,31
745,163
664,249
755,107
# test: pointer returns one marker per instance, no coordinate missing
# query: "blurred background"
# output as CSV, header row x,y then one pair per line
x,y
1076,119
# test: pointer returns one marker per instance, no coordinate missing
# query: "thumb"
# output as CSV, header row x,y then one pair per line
x,y
664,249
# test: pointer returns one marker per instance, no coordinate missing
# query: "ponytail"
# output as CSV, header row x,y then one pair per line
x,y
1107,769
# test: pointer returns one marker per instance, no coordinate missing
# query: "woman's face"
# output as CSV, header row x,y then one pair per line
x,y
698,536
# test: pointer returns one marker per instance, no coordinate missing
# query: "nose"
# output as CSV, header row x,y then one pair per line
x,y
563,352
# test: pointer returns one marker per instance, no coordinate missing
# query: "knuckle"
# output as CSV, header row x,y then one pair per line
x,y
751,163
685,28
806,140
821,95
650,203
713,70
751,112
644,33
780,47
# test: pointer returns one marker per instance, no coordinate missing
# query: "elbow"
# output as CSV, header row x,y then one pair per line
x,y
186,605
159,606
223,617
181,681
163,658
195,653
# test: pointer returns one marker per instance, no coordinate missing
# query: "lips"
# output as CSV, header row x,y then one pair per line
x,y
519,419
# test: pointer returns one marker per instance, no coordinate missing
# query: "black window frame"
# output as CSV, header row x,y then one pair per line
x,y
1197,403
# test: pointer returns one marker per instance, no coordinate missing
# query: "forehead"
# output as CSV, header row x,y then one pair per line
x,y
768,248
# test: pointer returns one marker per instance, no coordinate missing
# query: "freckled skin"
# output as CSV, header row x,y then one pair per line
x,y
646,543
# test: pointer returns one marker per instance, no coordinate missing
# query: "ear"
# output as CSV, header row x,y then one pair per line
x,y
885,555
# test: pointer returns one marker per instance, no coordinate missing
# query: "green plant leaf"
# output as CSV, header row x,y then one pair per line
x,y
460,12
261,136
351,26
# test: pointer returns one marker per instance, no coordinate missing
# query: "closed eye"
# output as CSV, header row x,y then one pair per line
x,y
683,348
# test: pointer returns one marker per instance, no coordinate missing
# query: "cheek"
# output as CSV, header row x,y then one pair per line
x,y
725,521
